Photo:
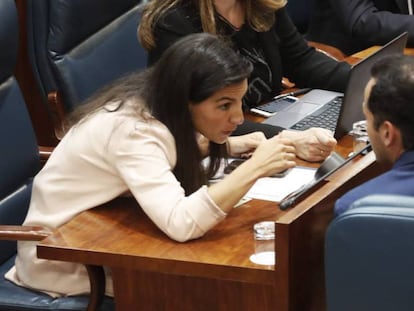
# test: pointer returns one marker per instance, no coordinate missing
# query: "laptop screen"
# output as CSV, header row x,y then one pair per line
x,y
333,110
351,110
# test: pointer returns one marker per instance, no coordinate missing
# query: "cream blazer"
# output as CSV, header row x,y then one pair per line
x,y
107,155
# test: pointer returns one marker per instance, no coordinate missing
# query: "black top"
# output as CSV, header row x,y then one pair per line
x,y
246,40
279,52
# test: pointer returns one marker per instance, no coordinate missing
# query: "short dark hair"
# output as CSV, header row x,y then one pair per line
x,y
392,96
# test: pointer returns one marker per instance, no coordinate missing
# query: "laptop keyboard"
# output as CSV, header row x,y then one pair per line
x,y
325,117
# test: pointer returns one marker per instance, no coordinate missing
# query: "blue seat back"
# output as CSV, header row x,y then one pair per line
x,y
369,255
78,46
19,160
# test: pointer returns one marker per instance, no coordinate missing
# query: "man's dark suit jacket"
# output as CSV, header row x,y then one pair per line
x,y
354,25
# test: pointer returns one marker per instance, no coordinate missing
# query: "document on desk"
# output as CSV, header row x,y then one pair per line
x,y
276,188
270,188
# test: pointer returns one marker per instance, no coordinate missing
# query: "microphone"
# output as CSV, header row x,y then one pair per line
x,y
320,174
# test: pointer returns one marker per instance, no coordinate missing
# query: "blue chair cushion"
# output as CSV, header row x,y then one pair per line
x,y
76,53
16,298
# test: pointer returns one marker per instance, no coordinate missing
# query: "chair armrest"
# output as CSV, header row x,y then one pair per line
x,y
98,283
23,233
34,233
58,113
44,153
329,50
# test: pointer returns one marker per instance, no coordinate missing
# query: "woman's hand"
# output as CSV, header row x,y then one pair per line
x,y
270,157
314,144
273,156
242,146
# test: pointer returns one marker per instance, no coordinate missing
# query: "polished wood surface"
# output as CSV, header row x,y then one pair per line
x,y
23,233
363,54
152,272
329,50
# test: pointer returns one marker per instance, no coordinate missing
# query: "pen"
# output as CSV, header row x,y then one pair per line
x,y
294,93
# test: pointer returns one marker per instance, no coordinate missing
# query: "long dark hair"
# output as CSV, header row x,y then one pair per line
x,y
190,71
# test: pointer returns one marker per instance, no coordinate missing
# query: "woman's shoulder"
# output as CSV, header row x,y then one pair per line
x,y
135,116
183,17
130,127
124,118
146,135
142,123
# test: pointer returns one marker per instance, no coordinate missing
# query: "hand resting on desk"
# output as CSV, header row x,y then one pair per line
x,y
313,145
268,156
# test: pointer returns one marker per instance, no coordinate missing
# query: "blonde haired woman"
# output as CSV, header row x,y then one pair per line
x,y
263,33
259,14
259,29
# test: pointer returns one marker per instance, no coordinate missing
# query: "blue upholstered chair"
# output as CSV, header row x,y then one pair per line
x,y
369,256
78,46
19,162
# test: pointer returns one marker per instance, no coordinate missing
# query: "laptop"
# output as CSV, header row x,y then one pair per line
x,y
333,110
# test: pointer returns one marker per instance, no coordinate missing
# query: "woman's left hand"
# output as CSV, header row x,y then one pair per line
x,y
313,145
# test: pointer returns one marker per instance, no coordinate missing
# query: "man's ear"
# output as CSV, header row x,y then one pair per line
x,y
389,133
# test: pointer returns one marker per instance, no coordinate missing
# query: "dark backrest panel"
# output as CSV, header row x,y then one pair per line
x,y
369,255
300,12
8,39
19,160
78,46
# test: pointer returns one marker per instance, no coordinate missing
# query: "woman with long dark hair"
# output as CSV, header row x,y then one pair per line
x,y
146,136
262,32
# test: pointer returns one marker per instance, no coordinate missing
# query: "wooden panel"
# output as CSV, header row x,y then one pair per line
x,y
36,106
119,235
158,291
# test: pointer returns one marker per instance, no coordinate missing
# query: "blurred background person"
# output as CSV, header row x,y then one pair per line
x,y
354,25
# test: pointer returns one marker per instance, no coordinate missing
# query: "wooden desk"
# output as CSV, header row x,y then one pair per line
x,y
360,55
152,272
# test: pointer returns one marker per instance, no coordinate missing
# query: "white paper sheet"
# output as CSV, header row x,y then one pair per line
x,y
275,188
